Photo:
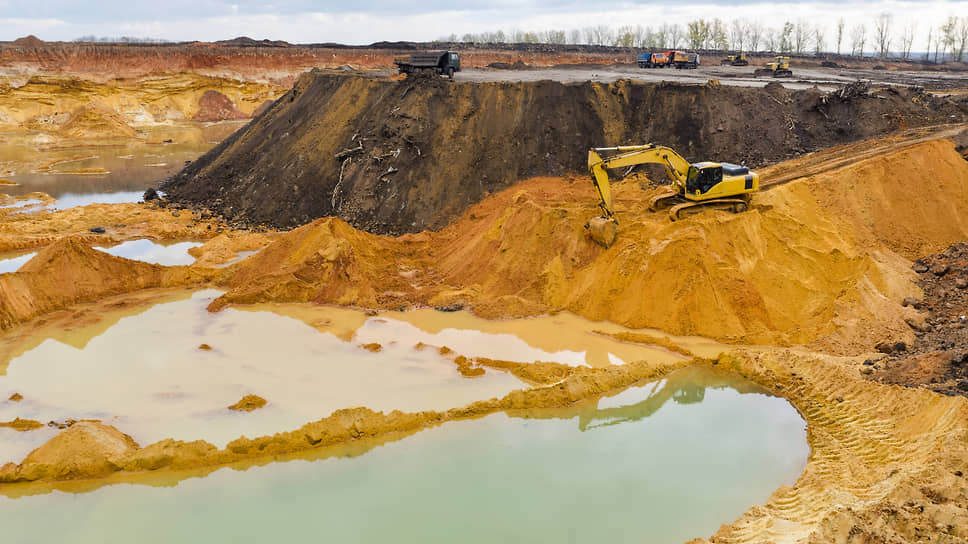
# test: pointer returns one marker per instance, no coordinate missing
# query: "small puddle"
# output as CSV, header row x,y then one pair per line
x,y
152,252
239,257
662,463
12,264
25,203
72,200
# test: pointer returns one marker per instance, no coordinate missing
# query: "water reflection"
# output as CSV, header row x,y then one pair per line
x,y
687,386
152,252
674,473
73,174
148,376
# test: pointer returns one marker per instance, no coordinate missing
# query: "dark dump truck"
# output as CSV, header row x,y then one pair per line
x,y
442,62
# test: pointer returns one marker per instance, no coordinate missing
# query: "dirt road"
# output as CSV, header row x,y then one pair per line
x,y
803,78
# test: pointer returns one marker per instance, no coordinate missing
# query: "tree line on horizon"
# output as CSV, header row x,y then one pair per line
x,y
882,37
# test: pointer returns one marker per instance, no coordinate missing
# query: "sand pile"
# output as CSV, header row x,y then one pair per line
x,y
70,272
96,120
86,449
818,260
392,156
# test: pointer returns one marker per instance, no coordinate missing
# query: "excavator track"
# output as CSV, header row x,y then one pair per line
x,y
664,200
734,205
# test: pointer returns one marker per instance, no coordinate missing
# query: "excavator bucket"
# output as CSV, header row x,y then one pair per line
x,y
603,230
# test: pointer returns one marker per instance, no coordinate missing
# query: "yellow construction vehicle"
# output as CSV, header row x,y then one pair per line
x,y
738,59
778,68
695,187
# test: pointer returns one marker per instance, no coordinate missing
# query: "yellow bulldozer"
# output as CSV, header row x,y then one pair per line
x,y
738,59
695,187
778,68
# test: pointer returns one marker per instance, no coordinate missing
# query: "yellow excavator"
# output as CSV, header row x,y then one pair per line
x,y
695,187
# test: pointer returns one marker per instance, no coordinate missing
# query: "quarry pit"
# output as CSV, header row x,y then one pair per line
x,y
369,217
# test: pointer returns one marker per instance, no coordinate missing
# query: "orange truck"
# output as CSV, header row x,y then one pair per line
x,y
653,60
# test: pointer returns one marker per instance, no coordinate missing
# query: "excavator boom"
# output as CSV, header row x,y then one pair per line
x,y
675,165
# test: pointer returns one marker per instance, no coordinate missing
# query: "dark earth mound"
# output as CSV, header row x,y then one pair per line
x,y
393,156
938,359
215,106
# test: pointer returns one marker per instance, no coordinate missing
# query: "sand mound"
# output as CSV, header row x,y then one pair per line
x,y
29,41
87,449
96,120
401,156
248,403
806,264
215,106
69,272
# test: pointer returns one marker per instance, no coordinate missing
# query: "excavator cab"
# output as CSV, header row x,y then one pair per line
x,y
702,177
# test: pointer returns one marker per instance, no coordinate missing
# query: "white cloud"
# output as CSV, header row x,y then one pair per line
x,y
225,21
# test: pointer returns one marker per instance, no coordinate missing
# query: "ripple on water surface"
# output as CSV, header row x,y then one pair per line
x,y
664,462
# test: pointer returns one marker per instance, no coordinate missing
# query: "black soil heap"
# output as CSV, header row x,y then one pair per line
x,y
392,157
938,359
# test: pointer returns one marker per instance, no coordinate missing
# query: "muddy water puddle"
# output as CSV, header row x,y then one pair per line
x,y
151,377
14,262
564,338
114,172
663,462
152,252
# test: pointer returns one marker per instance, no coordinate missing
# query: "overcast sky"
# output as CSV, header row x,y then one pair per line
x,y
304,21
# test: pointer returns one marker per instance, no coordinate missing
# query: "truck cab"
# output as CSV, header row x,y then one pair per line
x,y
653,60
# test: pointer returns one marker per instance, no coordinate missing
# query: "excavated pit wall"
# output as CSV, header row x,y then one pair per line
x,y
393,157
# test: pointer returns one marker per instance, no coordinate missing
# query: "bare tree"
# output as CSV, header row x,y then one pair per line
x,y
554,36
662,35
882,33
624,37
755,35
639,34
771,39
737,34
858,37
907,38
676,36
649,39
927,53
786,42
801,32
962,38
840,32
818,41
574,36
717,36
948,31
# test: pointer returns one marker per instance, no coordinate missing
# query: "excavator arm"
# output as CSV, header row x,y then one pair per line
x,y
675,166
